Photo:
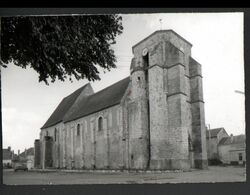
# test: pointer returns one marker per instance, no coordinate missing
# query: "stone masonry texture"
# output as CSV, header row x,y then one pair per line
x,y
157,124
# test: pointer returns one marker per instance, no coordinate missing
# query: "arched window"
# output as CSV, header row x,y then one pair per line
x,y
100,124
78,130
145,61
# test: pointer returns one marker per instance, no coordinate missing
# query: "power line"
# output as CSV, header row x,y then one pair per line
x,y
240,92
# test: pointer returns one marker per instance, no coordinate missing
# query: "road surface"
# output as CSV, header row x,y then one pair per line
x,y
213,174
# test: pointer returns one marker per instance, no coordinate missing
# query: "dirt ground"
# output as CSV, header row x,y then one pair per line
x,y
213,174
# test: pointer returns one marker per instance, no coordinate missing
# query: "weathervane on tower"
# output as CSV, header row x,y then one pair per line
x,y
160,23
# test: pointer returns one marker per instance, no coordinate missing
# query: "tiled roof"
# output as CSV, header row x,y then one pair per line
x,y
6,154
233,140
62,108
105,98
214,132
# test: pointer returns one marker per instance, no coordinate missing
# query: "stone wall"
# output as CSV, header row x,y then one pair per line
x,y
48,152
169,98
91,148
55,132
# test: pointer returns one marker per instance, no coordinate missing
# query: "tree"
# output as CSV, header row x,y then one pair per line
x,y
61,46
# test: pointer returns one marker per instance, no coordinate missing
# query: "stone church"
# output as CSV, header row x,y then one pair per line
x,y
151,120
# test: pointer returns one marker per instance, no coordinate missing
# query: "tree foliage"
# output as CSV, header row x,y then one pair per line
x,y
60,46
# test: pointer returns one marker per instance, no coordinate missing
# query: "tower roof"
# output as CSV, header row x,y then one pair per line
x,y
162,31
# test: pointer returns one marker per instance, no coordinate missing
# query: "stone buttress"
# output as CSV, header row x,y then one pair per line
x,y
198,118
138,131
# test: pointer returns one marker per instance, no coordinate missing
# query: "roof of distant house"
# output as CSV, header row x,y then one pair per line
x,y
7,155
233,140
29,151
214,132
105,98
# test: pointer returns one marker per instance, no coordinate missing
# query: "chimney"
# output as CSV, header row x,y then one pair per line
x,y
231,135
9,148
18,152
12,154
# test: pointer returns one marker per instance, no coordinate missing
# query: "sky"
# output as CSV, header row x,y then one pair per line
x,y
217,40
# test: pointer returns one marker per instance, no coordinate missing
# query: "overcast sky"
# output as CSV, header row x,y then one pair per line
x,y
217,40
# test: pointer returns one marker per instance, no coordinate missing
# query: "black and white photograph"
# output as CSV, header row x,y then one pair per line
x,y
147,98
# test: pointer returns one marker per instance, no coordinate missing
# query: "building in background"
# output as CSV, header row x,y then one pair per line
x,y
232,150
8,156
213,138
153,119
222,148
28,157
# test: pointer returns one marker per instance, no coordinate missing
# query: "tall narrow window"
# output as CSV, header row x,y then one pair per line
x,y
78,130
100,123
55,134
145,61
47,133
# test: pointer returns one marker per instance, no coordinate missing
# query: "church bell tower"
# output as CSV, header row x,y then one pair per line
x,y
167,125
